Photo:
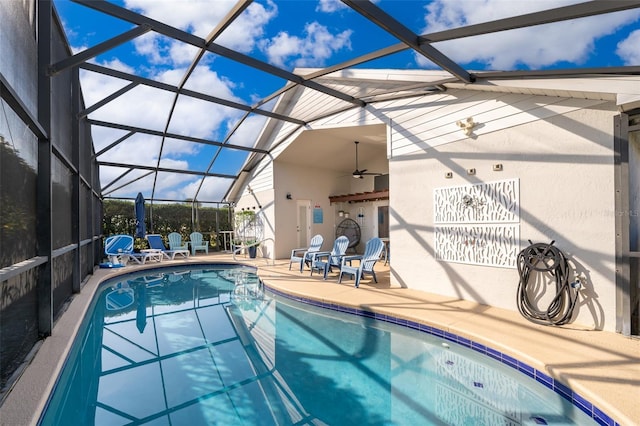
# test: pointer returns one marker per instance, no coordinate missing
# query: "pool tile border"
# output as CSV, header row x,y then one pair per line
x,y
563,390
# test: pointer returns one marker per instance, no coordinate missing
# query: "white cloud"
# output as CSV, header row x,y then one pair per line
x,y
444,14
213,188
200,17
330,6
96,86
248,131
149,45
109,174
182,54
148,107
173,185
311,51
249,28
205,80
169,163
629,49
281,47
118,65
195,16
535,47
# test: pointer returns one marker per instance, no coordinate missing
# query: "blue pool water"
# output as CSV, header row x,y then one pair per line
x,y
208,346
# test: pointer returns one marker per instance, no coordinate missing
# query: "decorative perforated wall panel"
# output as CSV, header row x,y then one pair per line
x,y
491,245
491,202
478,224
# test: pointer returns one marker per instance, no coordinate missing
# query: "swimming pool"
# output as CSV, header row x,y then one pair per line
x,y
207,345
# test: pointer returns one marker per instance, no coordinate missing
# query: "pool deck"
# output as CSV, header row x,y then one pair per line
x,y
602,367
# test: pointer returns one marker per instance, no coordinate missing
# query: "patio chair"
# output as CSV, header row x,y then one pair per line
x,y
196,242
366,262
156,244
175,242
325,260
119,250
303,255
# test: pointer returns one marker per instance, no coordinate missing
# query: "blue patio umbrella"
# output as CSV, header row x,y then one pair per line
x,y
141,229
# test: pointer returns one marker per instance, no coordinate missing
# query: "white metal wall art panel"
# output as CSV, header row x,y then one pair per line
x,y
489,245
478,224
491,202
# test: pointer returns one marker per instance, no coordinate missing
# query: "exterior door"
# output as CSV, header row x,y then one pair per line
x,y
303,227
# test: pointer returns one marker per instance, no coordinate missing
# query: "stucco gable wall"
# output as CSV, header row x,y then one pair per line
x,y
564,165
559,148
431,120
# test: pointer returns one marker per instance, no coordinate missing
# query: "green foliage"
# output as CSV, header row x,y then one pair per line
x,y
246,227
119,218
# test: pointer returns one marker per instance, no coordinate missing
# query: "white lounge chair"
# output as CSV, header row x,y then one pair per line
x,y
156,243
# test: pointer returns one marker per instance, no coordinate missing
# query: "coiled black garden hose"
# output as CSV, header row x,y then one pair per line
x,y
546,259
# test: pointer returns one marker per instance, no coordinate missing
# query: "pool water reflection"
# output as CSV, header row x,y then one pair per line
x,y
206,345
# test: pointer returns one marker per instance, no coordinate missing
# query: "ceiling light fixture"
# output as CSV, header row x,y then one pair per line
x,y
466,125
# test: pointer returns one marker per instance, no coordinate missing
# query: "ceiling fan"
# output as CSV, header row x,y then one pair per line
x,y
357,173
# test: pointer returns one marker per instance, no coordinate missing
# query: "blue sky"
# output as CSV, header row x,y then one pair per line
x,y
298,34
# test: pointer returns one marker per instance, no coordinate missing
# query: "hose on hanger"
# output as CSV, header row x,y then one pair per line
x,y
543,258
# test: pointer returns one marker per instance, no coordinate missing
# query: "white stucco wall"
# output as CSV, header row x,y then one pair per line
x,y
316,185
559,148
564,164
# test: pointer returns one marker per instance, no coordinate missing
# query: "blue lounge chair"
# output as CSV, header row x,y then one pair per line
x,y
325,260
119,250
156,243
366,262
303,255
197,243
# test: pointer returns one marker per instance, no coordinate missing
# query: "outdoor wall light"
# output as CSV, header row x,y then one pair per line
x,y
288,195
466,125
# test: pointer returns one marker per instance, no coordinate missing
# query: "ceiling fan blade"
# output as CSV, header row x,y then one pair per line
x,y
357,173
